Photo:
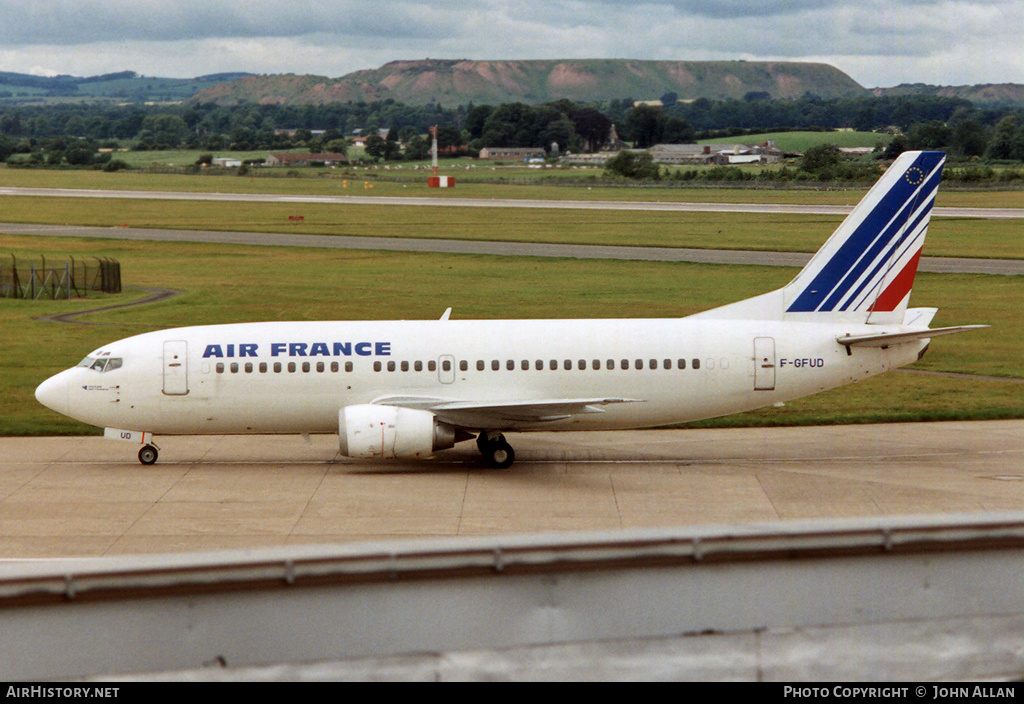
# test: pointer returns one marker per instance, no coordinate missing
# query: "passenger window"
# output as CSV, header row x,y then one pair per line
x,y
639,364
625,364
609,364
567,364
348,366
553,365
432,366
220,367
334,366
417,366
391,366
495,365
582,365
277,367
263,367
405,366
696,364
539,365
510,365
479,365
320,366
463,365
525,365
234,367
681,363
248,367
667,364
653,364
305,366
377,366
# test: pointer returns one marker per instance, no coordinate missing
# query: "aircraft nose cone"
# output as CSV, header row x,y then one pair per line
x,y
53,393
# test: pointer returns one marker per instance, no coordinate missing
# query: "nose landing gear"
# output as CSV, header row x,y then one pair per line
x,y
148,454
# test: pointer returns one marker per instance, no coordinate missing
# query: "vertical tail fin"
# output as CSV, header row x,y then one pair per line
x,y
865,271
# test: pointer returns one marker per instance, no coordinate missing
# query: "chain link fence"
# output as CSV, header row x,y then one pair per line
x,y
69,278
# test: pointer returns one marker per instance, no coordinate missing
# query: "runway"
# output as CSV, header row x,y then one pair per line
x,y
86,496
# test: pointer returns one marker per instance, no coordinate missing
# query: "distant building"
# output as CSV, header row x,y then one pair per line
x,y
682,153
518,153
292,159
226,162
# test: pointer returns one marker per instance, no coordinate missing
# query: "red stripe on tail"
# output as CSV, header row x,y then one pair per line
x,y
900,286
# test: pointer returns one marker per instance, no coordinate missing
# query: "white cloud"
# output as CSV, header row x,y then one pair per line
x,y
878,42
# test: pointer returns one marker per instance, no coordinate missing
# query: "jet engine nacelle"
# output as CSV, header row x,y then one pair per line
x,y
389,432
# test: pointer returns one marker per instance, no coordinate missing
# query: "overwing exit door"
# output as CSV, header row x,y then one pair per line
x,y
446,369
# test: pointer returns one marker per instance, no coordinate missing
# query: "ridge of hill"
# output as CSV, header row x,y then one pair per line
x,y
983,94
457,82
120,87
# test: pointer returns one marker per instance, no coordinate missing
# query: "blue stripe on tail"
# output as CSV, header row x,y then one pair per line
x,y
874,241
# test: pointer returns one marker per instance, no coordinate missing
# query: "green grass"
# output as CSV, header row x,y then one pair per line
x,y
802,141
963,237
469,175
223,283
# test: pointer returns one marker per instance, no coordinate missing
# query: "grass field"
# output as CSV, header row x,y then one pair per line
x,y
802,141
222,283
952,237
414,184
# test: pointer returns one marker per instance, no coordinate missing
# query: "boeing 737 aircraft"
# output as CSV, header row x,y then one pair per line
x,y
406,389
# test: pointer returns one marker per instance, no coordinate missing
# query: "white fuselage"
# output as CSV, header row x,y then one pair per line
x,y
293,377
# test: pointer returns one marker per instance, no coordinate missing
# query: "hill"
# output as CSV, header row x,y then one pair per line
x,y
121,87
457,82
982,95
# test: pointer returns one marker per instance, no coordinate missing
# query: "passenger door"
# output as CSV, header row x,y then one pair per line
x,y
175,367
764,363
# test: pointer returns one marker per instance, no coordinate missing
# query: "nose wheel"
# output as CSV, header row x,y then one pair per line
x,y
148,454
496,450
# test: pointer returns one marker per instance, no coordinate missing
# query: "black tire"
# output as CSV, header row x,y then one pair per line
x,y
148,454
500,455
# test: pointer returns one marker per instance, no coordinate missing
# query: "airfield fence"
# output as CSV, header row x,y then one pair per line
x,y
70,278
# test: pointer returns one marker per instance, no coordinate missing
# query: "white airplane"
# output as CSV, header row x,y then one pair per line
x,y
406,389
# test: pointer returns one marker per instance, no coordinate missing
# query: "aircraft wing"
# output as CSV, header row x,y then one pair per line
x,y
502,414
896,338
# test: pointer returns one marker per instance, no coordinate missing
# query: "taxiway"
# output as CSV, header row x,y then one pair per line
x,y
86,496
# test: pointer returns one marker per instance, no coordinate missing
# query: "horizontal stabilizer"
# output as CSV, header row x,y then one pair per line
x,y
898,338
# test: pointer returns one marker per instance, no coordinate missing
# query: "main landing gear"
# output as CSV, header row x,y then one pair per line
x,y
496,450
148,454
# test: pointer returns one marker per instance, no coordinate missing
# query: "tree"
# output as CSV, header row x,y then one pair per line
x,y
376,147
645,125
592,127
968,138
821,159
633,164
678,131
930,136
1007,140
417,148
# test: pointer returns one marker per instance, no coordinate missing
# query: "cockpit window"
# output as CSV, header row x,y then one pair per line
x,y
101,364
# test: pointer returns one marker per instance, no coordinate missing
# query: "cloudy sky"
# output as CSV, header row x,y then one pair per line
x,y
877,42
